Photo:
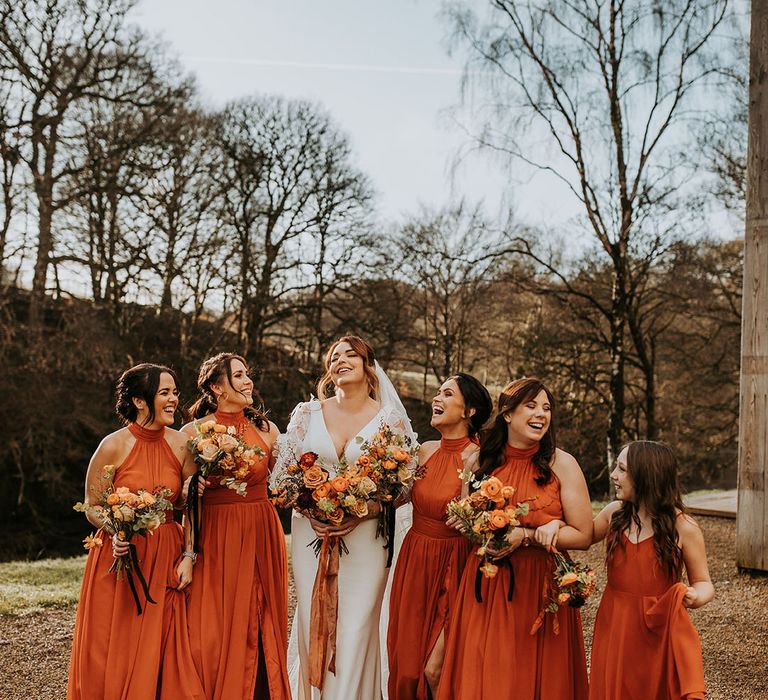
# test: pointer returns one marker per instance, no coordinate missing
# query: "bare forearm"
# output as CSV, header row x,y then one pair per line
x,y
571,538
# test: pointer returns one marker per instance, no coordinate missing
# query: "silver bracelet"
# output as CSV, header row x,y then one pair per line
x,y
190,555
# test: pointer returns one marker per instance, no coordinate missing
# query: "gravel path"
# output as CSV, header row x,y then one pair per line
x,y
34,650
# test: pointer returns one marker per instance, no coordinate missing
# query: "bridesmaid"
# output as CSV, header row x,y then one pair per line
x,y
490,652
645,645
238,607
116,653
433,555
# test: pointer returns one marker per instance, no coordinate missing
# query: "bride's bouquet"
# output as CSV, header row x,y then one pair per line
x,y
487,517
127,514
389,459
307,486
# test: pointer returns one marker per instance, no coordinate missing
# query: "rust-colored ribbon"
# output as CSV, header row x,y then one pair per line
x,y
325,604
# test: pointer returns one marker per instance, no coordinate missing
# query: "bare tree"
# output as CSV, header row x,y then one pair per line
x,y
608,85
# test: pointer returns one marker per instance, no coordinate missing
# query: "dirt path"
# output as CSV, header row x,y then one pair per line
x,y
34,650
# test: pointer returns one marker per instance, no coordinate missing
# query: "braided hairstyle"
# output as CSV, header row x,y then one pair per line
x,y
213,371
139,382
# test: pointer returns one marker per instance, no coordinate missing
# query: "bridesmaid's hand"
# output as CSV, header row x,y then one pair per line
x,y
691,597
201,484
546,535
184,572
119,546
513,542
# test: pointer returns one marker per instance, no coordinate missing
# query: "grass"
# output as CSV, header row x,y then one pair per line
x,y
27,587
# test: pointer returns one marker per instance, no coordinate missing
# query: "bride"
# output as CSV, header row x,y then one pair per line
x,y
356,399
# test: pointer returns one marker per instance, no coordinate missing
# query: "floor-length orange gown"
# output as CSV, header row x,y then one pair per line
x,y
117,654
239,597
427,576
645,646
490,652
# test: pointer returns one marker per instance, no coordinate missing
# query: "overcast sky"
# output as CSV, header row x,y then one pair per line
x,y
379,67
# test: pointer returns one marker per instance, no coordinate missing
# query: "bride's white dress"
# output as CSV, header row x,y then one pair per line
x,y
361,580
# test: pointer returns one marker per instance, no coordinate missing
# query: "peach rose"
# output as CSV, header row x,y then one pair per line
x,y
401,456
219,428
491,488
339,484
113,499
335,516
367,486
361,508
569,579
207,427
563,598
498,520
389,465
507,492
209,451
314,476
227,443
148,499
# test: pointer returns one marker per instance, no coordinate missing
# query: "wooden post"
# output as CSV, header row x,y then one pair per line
x,y
752,518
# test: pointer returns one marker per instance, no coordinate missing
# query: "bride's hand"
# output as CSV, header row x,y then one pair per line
x,y
343,528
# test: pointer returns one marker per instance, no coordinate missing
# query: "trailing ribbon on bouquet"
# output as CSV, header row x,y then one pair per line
x,y
479,581
193,509
324,610
130,563
388,530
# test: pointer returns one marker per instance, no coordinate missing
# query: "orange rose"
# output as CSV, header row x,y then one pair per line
x,y
401,456
314,476
219,428
563,598
380,451
335,516
389,464
113,499
491,488
322,491
569,579
489,570
364,461
498,520
339,484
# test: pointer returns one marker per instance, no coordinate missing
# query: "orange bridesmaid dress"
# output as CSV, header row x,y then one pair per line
x,y
427,575
645,646
238,605
490,652
117,654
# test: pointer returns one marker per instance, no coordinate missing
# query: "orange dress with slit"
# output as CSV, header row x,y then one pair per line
x,y
427,575
116,653
490,652
238,605
645,646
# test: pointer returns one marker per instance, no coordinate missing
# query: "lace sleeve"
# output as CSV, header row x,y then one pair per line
x,y
288,446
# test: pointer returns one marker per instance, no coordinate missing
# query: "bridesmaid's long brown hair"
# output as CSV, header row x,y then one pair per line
x,y
213,371
652,469
493,440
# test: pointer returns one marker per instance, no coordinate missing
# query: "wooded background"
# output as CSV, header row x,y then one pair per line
x,y
138,225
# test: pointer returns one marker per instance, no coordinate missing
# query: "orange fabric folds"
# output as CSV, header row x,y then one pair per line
x,y
117,654
490,651
324,612
239,596
645,646
426,579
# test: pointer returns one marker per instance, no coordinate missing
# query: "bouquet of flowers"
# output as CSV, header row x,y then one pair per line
x,y
389,460
219,452
487,517
571,584
307,485
126,514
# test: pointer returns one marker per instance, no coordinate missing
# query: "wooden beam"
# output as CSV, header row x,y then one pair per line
x,y
752,518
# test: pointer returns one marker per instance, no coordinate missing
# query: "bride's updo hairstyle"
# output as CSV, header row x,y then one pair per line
x,y
139,382
213,371
365,351
475,396
494,440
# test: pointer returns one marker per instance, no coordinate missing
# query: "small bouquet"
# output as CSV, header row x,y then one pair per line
x,y
219,452
571,584
127,514
389,460
487,517
307,485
